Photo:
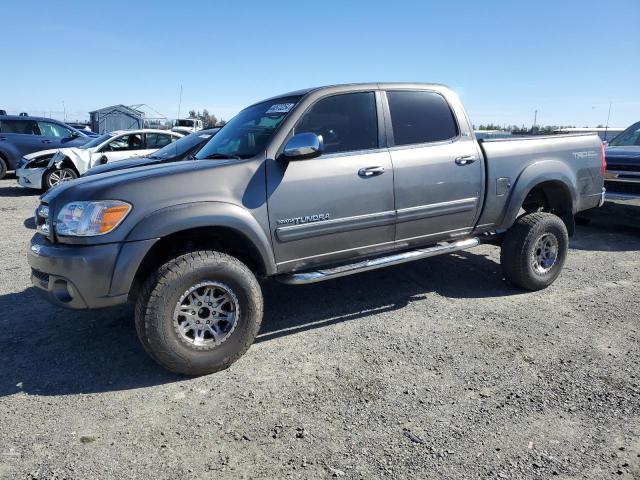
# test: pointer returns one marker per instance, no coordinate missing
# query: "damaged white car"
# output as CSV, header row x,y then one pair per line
x,y
69,163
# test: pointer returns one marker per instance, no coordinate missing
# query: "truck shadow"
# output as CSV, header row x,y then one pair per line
x,y
17,192
52,351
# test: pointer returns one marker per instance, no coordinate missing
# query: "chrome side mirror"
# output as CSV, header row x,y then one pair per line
x,y
303,146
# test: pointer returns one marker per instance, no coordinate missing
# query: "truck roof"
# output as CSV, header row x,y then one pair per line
x,y
366,85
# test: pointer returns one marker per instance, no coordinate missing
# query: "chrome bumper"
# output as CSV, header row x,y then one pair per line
x,y
602,196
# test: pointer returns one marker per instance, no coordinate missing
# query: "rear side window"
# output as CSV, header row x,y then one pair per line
x,y
347,122
49,129
25,127
158,140
420,117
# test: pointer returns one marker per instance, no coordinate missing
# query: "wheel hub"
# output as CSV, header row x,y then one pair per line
x,y
545,253
206,315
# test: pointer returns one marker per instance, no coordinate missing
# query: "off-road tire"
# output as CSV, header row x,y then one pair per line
x,y
46,181
158,298
3,167
518,250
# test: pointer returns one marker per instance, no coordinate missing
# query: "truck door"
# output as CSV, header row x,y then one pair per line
x,y
340,204
438,171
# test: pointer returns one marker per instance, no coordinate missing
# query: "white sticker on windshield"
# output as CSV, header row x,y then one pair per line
x,y
280,107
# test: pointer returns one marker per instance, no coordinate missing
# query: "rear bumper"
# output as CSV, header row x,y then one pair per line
x,y
30,177
81,277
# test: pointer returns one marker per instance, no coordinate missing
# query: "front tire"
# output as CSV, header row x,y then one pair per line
x,y
199,312
58,176
534,250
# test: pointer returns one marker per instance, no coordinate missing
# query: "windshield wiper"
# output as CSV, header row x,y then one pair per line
x,y
213,156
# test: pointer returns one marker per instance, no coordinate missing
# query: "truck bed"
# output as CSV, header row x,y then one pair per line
x,y
509,160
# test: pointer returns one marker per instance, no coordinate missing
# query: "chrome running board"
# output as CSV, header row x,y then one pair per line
x,y
395,259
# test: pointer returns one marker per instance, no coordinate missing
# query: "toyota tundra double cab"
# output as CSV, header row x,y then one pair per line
x,y
305,187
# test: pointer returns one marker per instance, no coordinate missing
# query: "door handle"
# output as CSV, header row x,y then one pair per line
x,y
3,138
370,171
465,159
47,141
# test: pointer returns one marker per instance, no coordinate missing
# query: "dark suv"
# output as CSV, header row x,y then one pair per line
x,y
21,135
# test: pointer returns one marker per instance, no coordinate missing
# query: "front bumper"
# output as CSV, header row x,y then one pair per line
x,y
30,177
74,276
80,277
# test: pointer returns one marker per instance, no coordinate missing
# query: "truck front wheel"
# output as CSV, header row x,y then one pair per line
x,y
198,313
534,250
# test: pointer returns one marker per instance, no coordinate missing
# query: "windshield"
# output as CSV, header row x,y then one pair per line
x,y
629,138
185,123
249,132
97,141
183,145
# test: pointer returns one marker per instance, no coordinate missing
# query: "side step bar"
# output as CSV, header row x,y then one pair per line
x,y
395,259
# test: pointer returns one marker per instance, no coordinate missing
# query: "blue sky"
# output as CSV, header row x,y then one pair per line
x,y
566,59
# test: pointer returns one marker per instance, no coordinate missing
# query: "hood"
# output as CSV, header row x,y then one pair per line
x,y
125,164
122,184
154,188
623,155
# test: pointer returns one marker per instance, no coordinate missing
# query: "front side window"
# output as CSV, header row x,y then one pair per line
x,y
49,129
629,138
249,132
158,140
420,117
24,127
347,122
131,141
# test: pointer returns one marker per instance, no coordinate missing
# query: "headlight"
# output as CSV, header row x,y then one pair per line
x,y
88,219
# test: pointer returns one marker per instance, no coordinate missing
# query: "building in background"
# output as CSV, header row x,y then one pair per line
x,y
116,117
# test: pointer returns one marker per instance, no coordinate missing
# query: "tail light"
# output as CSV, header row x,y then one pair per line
x,y
603,161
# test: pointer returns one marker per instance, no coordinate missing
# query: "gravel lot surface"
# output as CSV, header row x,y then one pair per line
x,y
435,369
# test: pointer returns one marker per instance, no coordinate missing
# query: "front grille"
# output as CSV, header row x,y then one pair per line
x,y
43,223
622,187
611,165
40,277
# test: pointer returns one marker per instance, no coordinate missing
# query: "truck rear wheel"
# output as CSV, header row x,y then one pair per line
x,y
534,250
199,312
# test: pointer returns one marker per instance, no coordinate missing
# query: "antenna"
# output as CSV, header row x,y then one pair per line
x,y
180,102
606,127
64,110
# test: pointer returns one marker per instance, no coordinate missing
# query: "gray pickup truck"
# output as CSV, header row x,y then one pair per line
x,y
304,187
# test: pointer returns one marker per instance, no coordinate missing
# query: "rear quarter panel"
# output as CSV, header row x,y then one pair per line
x,y
573,160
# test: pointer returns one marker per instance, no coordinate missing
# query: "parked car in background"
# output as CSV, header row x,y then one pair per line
x,y
69,163
22,135
623,164
304,187
191,124
181,149
84,128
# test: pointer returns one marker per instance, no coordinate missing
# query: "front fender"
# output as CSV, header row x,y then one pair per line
x,y
533,175
174,219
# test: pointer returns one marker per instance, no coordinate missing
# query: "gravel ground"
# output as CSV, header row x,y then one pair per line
x,y
435,370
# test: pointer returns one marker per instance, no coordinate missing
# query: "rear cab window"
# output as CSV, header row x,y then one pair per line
x,y
420,117
23,127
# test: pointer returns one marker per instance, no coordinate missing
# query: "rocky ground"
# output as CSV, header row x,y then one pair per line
x,y
436,370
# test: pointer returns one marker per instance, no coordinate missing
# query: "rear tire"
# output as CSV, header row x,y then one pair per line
x,y
534,250
211,289
58,176
3,167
